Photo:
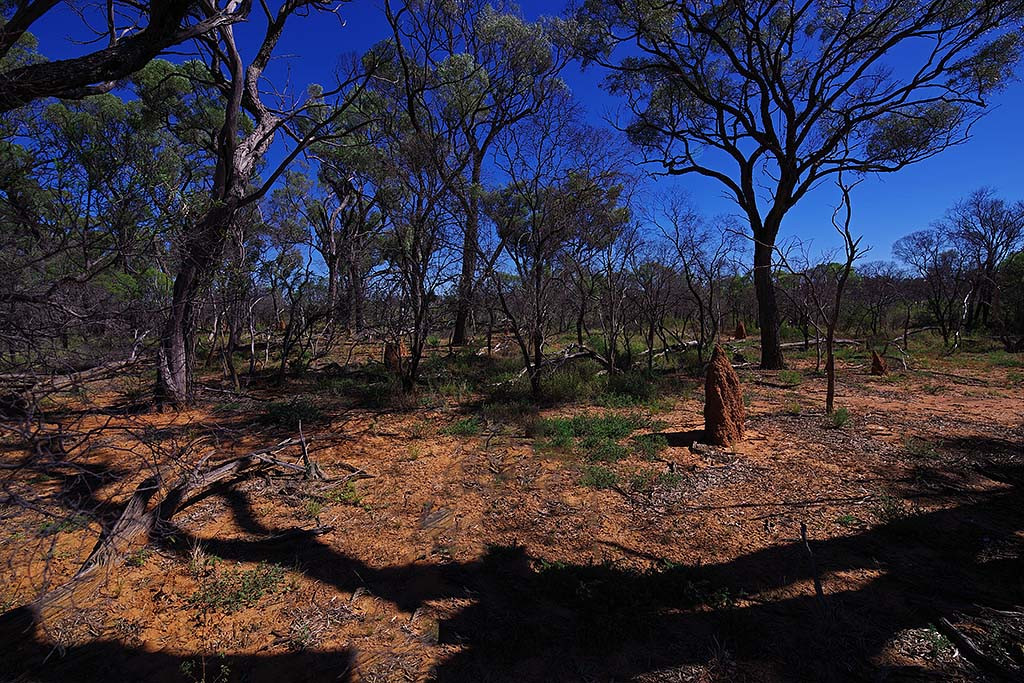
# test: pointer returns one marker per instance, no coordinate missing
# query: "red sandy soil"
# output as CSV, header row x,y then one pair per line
x,y
483,558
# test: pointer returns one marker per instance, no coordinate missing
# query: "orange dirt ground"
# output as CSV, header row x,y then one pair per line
x,y
479,558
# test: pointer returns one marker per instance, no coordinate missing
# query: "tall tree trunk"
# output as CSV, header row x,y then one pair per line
x,y
469,249
830,369
174,357
767,307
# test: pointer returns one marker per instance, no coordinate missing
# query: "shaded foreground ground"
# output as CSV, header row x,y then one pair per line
x,y
475,553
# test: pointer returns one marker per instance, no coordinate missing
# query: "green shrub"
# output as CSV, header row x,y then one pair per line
x,y
794,408
515,410
791,377
849,521
847,353
458,389
63,525
890,509
919,448
230,590
649,445
649,480
602,449
290,413
638,385
555,432
469,426
598,477
1003,359
312,509
838,418
610,426
347,494
571,383
139,557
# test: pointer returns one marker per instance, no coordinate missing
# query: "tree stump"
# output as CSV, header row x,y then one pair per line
x,y
723,402
878,365
741,331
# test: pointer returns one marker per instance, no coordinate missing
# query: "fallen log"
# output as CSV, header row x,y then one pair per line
x,y
138,520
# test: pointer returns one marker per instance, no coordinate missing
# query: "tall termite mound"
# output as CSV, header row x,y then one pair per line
x,y
723,402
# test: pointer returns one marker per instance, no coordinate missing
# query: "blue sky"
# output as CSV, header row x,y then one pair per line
x,y
886,207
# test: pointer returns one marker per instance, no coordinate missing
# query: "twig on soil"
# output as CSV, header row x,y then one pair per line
x,y
814,566
972,652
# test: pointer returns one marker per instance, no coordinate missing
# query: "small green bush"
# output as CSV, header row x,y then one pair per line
x,y
839,417
1003,359
602,449
312,509
791,377
508,411
919,448
290,413
555,432
230,590
609,426
63,525
598,477
469,426
572,383
638,385
649,445
347,494
849,521
890,509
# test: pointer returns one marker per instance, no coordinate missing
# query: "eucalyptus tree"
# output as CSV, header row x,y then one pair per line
x,y
490,70
413,196
827,280
132,34
932,255
656,286
877,290
553,199
89,195
987,229
704,251
771,97
248,127
1010,318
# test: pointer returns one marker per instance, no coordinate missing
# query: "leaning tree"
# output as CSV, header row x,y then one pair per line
x,y
771,97
132,34
249,125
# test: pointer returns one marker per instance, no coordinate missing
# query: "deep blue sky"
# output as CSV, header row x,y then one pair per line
x,y
886,207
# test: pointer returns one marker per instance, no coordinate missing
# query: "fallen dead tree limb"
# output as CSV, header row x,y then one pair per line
x,y
973,653
140,518
55,383
570,353
956,378
837,342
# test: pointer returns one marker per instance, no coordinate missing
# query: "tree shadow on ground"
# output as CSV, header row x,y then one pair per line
x,y
529,620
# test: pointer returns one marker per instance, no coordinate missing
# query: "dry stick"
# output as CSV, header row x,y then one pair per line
x,y
312,469
814,567
973,653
